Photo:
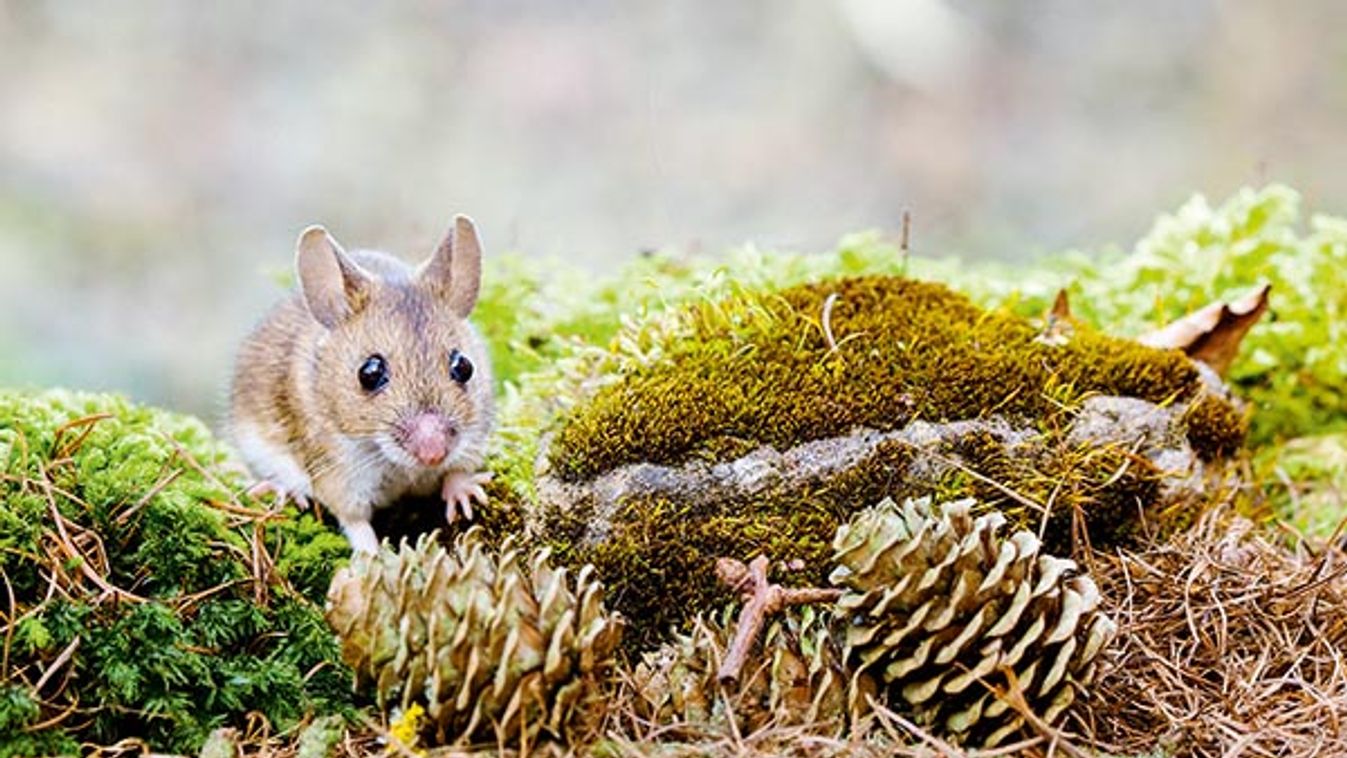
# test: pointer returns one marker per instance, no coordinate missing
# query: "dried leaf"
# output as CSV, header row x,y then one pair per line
x,y
1213,334
1057,322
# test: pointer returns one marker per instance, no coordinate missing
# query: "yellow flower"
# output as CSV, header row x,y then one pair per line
x,y
406,730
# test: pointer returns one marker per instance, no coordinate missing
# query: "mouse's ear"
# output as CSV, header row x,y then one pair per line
x,y
334,286
454,272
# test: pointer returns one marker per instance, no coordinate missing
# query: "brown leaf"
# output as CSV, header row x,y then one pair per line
x,y
1212,334
1057,322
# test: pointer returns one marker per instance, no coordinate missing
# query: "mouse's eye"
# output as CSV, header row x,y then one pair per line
x,y
373,373
460,368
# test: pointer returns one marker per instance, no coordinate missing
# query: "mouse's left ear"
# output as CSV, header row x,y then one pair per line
x,y
454,272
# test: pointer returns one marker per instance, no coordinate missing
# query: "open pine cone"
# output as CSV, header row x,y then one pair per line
x,y
492,647
942,607
795,676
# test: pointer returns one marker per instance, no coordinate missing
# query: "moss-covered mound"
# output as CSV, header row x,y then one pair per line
x,y
142,595
815,361
825,398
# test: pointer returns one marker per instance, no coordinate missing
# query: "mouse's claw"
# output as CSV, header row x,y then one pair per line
x,y
460,490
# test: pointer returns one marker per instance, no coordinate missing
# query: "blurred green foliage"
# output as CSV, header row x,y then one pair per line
x,y
1293,364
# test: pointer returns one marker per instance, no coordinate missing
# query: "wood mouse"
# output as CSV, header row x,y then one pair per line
x,y
368,383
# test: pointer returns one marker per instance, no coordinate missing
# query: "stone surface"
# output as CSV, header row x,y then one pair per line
x,y
1152,431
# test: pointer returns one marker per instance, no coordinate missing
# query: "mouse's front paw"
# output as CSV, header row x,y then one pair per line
x,y
460,489
282,495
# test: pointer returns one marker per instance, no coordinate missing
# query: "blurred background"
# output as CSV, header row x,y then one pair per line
x,y
158,158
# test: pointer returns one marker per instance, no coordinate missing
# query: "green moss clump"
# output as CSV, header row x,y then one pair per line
x,y
161,603
413,516
1215,429
659,562
759,367
658,555
770,368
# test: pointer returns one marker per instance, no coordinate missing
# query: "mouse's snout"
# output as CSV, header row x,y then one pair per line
x,y
428,436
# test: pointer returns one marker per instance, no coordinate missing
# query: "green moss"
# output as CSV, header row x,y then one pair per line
x,y
759,368
885,470
1291,366
659,562
658,558
1215,429
412,517
184,606
658,555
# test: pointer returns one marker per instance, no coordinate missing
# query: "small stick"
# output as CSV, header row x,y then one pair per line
x,y
11,621
762,599
58,663
828,321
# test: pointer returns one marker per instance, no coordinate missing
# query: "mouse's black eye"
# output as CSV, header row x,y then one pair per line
x,y
460,368
373,373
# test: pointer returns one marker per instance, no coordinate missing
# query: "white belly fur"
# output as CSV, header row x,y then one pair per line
x,y
271,462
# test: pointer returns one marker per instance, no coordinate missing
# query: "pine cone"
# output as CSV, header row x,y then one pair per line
x,y
493,649
795,676
941,606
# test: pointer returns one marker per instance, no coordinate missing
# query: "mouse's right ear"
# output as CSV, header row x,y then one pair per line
x,y
334,286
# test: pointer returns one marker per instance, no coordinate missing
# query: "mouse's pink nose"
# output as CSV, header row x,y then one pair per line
x,y
428,438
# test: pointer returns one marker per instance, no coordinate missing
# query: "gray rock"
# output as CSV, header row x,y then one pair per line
x,y
1147,429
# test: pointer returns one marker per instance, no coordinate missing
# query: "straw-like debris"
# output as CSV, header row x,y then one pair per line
x,y
1230,643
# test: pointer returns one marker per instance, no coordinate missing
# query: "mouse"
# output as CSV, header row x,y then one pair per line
x,y
368,383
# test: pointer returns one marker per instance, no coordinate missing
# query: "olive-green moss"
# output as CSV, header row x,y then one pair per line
x,y
759,368
1214,428
658,555
659,564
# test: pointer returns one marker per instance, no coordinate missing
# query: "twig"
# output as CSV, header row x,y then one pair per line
x,y
885,714
54,720
57,664
828,321
86,424
762,599
10,623
72,552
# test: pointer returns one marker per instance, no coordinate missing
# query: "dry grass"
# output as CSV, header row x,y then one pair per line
x,y
1230,644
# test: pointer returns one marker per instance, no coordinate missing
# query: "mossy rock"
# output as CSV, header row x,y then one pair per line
x,y
150,599
769,418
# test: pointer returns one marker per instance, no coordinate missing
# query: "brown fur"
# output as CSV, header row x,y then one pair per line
x,y
296,392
